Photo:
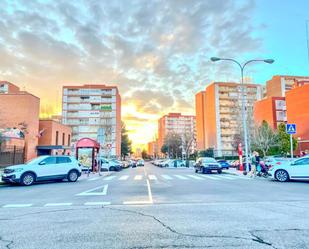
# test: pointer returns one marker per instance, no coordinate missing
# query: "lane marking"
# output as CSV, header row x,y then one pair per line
x,y
196,177
138,177
210,177
149,192
57,204
136,202
89,192
167,177
17,205
181,177
123,178
227,177
108,178
97,203
152,177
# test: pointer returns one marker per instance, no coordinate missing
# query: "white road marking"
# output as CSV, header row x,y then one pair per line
x,y
93,179
98,203
123,178
108,178
57,204
167,177
181,177
136,202
152,177
196,177
210,177
17,205
89,192
138,177
226,177
149,192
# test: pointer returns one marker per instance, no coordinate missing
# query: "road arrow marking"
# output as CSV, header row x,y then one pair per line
x,y
91,193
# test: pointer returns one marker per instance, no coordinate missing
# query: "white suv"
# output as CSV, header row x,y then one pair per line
x,y
43,168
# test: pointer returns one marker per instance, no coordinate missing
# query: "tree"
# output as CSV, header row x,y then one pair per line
x,y
264,138
173,142
126,144
284,140
206,153
144,154
187,141
164,149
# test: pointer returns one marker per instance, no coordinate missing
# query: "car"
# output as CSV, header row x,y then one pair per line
x,y
140,162
207,165
291,170
110,165
224,164
43,168
272,161
132,163
174,163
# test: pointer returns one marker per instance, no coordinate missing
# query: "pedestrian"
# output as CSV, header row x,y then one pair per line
x,y
253,164
99,166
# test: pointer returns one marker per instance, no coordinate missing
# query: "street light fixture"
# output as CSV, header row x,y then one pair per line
x,y
243,109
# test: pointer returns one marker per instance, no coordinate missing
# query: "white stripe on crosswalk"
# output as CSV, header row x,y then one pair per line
x,y
227,177
152,177
181,177
16,205
109,178
123,178
167,177
93,179
210,177
138,177
196,177
57,204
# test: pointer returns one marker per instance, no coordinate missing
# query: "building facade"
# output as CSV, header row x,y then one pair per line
x,y
200,99
176,123
94,109
19,113
54,138
280,84
221,118
152,149
272,110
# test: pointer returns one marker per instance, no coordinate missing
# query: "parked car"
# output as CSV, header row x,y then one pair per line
x,y
132,163
207,165
292,170
110,165
140,162
174,163
43,168
224,164
272,161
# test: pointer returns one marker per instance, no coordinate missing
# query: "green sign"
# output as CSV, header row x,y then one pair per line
x,y
106,107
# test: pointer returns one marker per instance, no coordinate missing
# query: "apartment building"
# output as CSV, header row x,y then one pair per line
x,y
219,118
177,123
280,84
272,110
152,149
94,109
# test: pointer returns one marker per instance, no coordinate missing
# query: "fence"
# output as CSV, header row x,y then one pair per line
x,y
11,155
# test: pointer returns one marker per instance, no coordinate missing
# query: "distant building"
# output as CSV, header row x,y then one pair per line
x,y
280,84
88,108
177,123
152,149
54,138
19,111
272,110
218,115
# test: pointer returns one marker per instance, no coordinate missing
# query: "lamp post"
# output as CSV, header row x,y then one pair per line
x,y
243,109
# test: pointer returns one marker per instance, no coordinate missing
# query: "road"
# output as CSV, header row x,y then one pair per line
x,y
150,207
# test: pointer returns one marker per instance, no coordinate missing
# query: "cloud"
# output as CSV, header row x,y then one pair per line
x,y
157,52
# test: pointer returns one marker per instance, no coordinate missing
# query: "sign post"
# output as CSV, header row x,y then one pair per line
x,y
291,129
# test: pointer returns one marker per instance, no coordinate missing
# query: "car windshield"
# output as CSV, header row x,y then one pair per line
x,y
35,160
209,160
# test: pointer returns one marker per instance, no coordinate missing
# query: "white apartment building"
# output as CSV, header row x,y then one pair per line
x,y
90,108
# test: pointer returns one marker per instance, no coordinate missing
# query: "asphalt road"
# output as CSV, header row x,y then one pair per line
x,y
150,207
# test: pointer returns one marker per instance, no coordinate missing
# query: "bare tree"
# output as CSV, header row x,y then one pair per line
x,y
173,144
188,140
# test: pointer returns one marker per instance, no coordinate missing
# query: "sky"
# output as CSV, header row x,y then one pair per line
x,y
156,51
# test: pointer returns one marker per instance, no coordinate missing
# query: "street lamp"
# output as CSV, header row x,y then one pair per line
x,y
243,110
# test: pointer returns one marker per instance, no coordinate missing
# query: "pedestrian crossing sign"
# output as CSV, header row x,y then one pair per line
x,y
291,128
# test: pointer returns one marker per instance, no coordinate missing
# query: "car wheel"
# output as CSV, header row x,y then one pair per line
x,y
27,179
112,169
281,175
219,171
73,176
203,170
196,171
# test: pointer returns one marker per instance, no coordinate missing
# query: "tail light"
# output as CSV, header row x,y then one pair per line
x,y
278,163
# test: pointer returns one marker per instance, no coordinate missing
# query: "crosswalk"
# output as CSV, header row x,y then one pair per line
x,y
171,177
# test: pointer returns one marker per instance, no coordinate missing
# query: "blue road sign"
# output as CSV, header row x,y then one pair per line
x,y
290,128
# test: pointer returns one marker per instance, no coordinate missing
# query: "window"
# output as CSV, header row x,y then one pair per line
x,y
304,161
57,134
63,159
63,138
69,139
49,160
